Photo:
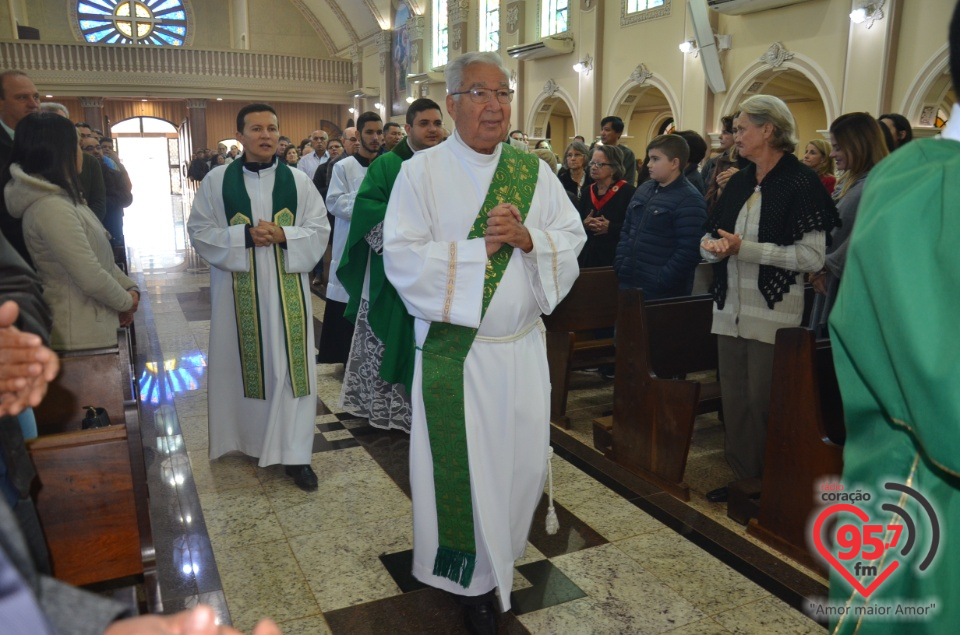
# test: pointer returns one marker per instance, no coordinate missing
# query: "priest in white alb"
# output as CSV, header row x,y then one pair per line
x,y
262,227
479,240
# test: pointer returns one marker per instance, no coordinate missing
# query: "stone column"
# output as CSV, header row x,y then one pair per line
x,y
197,114
417,27
93,112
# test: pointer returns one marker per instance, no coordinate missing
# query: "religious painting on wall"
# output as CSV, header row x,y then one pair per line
x,y
400,60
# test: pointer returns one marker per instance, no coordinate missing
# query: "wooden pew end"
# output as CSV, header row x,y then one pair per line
x,y
744,501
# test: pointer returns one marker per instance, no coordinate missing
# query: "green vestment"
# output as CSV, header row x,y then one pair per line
x,y
896,349
388,316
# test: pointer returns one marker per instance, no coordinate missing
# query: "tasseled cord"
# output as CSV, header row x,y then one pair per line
x,y
553,525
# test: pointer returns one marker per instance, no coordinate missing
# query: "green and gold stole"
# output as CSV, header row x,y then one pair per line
x,y
236,204
444,352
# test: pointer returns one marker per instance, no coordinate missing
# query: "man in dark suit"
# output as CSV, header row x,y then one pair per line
x,y
18,98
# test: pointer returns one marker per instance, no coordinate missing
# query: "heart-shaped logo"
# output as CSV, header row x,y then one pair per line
x,y
818,542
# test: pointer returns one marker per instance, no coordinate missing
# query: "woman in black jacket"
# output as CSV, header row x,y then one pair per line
x,y
603,206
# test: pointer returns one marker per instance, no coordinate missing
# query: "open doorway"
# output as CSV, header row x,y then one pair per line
x,y
149,149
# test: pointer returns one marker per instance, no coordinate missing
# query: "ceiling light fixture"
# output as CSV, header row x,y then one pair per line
x,y
867,13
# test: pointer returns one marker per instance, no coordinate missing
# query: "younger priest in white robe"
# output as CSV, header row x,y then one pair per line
x,y
262,385
440,274
337,331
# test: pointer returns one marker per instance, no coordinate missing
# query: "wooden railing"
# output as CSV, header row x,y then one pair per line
x,y
156,60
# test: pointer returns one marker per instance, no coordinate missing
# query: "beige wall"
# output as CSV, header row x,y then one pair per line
x,y
810,118
279,28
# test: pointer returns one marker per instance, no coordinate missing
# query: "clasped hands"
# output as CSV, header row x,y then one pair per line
x,y
599,225
727,245
26,365
265,234
505,225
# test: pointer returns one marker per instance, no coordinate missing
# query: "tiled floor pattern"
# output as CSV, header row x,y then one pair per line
x,y
337,561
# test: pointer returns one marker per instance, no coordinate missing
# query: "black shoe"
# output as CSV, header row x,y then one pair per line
x,y
718,495
480,619
303,476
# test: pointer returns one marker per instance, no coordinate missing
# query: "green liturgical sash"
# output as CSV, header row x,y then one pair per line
x,y
444,352
236,203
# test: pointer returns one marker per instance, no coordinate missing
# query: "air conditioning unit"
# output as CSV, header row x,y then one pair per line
x,y
739,7
547,47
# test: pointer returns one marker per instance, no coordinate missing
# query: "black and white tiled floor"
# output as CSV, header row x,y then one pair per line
x,y
247,541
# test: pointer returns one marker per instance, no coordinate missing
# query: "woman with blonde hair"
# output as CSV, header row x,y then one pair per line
x,y
858,145
817,156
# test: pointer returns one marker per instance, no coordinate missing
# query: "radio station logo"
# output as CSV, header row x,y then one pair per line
x,y
859,550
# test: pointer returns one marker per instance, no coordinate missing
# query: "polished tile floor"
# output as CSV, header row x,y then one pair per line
x,y
247,541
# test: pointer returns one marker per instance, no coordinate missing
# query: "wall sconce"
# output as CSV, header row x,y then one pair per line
x,y
584,66
352,111
409,99
689,46
378,106
867,13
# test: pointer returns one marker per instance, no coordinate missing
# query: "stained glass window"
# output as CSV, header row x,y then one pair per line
x,y
634,6
441,34
490,25
554,19
152,22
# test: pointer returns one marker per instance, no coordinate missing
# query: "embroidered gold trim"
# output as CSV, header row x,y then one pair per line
x,y
294,314
451,282
556,276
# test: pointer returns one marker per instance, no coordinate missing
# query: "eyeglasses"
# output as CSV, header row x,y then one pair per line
x,y
484,95
598,164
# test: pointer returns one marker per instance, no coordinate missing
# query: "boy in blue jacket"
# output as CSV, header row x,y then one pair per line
x,y
659,246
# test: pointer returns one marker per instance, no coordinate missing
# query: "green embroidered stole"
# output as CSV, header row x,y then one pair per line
x,y
444,352
236,204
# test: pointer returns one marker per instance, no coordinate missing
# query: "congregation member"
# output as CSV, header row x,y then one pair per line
x,y
895,350
392,134
767,229
379,372
92,184
337,332
90,297
857,146
479,240
611,129
573,175
262,227
659,246
725,143
603,206
310,162
698,150
292,157
899,127
117,189
350,142
334,149
282,144
817,156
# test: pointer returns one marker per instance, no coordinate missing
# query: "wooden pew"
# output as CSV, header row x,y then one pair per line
x,y
805,436
572,344
653,415
92,497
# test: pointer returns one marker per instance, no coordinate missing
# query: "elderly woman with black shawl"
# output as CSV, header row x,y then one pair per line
x,y
770,224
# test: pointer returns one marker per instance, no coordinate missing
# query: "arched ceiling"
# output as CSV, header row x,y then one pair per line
x,y
342,24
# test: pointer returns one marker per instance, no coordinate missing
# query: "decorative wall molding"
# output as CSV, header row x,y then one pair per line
x,y
71,69
514,11
550,88
456,37
459,11
416,27
640,74
776,55
383,49
194,104
92,102
626,19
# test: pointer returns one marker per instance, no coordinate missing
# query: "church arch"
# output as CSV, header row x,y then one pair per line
x,y
644,102
930,88
538,118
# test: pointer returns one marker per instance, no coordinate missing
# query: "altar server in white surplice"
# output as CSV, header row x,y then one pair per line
x,y
463,215
262,227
